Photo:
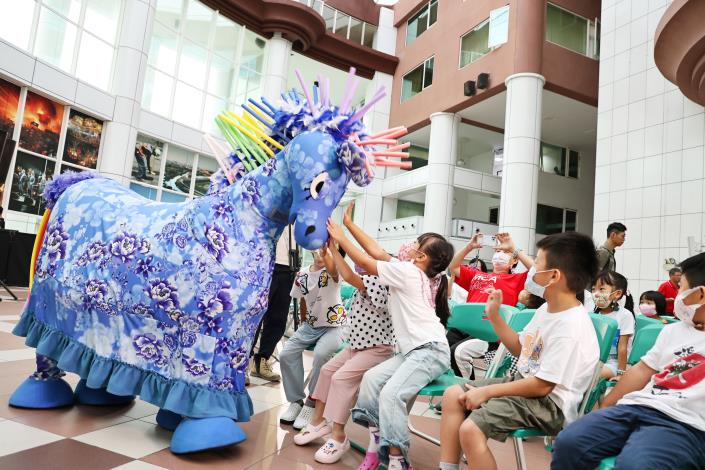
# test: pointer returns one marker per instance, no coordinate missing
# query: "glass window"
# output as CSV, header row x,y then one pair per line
x,y
370,31
553,159
56,39
248,85
573,163
409,209
421,21
499,27
317,5
570,220
355,30
188,105
102,18
227,35
474,44
213,107
341,24
95,59
16,23
328,16
192,64
198,22
549,220
177,170
253,51
71,9
206,167
418,79
566,29
168,196
220,76
418,156
169,13
162,49
145,191
147,161
157,94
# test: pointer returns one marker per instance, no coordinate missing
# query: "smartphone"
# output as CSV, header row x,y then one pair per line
x,y
489,240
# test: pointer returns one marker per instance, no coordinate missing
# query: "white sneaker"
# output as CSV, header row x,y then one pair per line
x,y
310,433
332,451
291,414
304,417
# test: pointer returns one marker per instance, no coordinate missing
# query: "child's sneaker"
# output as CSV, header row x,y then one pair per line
x,y
310,433
304,417
291,414
370,462
332,451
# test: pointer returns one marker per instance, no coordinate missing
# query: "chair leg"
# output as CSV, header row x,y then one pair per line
x,y
415,431
519,453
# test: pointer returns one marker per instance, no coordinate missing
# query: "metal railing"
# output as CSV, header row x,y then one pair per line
x,y
342,24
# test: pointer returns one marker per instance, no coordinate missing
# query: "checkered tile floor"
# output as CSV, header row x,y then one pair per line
x,y
95,438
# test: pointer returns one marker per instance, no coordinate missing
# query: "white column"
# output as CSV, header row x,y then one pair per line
x,y
442,152
276,67
522,147
127,85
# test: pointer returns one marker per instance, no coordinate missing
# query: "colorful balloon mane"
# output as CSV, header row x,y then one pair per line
x,y
162,300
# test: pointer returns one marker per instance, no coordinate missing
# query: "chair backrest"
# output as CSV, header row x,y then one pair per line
x,y
606,330
671,319
643,341
346,291
643,320
520,319
471,320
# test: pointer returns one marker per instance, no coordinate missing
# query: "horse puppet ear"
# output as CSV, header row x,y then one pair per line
x,y
355,162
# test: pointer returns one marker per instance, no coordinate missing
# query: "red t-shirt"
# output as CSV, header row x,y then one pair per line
x,y
670,292
476,282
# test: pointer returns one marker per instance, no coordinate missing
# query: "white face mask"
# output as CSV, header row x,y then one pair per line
x,y
501,260
685,313
532,286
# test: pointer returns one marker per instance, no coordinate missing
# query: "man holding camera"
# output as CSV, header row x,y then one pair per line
x,y
273,324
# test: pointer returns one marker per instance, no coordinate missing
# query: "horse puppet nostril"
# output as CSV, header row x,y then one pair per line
x,y
310,229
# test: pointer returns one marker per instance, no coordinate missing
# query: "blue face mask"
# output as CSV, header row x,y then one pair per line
x,y
532,286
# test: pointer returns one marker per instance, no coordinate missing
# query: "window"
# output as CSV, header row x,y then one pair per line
x,y
418,156
421,21
474,44
417,80
77,36
572,31
550,220
409,209
559,160
494,215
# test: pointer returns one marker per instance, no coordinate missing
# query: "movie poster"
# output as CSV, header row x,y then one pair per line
x,y
148,160
28,181
9,102
41,125
82,140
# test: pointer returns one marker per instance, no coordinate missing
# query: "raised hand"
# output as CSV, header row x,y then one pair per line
x,y
505,242
335,231
347,215
494,301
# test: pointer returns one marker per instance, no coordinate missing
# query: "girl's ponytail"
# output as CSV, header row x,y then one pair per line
x,y
440,252
442,308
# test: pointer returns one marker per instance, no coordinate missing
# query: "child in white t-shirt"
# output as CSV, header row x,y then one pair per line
x,y
655,416
558,355
322,313
418,306
607,290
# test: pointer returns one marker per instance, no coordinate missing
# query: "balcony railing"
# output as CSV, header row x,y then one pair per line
x,y
342,24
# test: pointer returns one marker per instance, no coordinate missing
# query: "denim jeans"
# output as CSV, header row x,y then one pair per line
x,y
386,390
291,360
640,436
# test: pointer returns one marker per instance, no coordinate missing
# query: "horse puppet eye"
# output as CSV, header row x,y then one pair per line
x,y
317,184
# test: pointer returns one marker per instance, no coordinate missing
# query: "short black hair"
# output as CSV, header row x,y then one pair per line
x,y
616,227
657,298
694,270
673,271
614,279
534,301
574,254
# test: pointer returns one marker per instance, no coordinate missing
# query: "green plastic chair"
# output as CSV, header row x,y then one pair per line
x,y
643,321
471,320
502,360
346,291
606,329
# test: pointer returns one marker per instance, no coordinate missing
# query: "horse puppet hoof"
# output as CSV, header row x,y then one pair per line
x,y
100,396
168,419
196,435
42,394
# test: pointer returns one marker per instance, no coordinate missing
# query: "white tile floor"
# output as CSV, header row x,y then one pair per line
x,y
135,439
17,437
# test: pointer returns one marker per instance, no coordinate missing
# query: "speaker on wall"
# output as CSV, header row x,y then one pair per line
x,y
469,88
483,81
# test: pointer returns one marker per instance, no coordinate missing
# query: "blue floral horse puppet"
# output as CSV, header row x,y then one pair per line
x,y
162,300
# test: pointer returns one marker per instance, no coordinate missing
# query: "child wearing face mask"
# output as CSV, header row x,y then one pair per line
x,y
652,304
607,289
655,416
558,354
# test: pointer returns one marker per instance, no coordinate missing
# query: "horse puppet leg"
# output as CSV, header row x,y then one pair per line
x,y
44,389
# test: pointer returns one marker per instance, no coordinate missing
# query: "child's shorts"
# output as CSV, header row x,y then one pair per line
x,y
500,416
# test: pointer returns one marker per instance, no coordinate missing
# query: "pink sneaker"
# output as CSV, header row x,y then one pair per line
x,y
371,461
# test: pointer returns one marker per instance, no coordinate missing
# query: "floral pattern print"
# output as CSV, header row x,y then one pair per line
x,y
178,290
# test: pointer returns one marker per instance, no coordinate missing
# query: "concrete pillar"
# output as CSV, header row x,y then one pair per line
x,y
522,150
442,153
127,85
276,67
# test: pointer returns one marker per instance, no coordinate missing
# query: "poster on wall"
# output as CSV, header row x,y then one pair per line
x,y
41,125
9,102
148,160
82,140
66,168
29,178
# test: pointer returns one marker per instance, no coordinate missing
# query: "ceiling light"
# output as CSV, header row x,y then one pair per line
x,y
386,3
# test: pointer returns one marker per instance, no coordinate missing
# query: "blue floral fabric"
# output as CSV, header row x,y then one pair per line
x,y
167,297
